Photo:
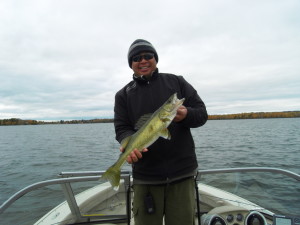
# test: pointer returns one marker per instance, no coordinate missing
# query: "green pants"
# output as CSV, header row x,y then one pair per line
x,y
175,203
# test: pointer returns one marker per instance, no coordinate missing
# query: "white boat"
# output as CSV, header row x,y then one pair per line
x,y
236,196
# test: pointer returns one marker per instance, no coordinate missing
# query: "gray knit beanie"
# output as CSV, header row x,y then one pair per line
x,y
139,46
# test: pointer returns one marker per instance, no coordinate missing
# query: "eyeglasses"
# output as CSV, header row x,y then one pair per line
x,y
146,56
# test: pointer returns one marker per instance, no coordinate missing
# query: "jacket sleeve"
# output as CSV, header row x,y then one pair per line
x,y
197,114
123,127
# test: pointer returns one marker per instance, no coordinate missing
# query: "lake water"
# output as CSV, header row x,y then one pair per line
x,y
34,153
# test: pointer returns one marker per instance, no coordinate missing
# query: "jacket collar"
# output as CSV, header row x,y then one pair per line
x,y
143,79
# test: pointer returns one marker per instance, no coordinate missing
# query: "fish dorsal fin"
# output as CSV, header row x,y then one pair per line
x,y
125,141
165,134
142,120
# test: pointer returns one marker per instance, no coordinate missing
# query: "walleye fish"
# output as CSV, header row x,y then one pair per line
x,y
147,134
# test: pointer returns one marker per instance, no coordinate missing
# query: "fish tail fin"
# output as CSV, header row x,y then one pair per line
x,y
113,175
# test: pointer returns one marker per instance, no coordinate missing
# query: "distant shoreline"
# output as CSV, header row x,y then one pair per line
x,y
251,115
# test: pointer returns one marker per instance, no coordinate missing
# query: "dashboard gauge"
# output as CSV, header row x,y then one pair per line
x,y
239,217
230,218
255,218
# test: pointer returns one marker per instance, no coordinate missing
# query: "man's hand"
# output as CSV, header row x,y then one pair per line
x,y
181,114
134,156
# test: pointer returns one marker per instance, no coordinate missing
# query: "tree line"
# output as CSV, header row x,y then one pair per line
x,y
251,115
16,121
256,115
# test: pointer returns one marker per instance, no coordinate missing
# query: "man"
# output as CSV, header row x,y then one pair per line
x,y
163,175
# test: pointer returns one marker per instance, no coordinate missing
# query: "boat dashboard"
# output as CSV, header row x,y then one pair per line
x,y
233,215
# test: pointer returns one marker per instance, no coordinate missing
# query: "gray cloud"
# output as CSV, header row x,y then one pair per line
x,y
66,59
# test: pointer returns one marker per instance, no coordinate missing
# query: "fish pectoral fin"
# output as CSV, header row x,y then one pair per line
x,y
125,141
165,119
165,134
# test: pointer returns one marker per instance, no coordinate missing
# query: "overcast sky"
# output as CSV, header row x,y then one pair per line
x,y
66,59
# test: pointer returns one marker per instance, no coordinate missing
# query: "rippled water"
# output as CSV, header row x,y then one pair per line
x,y
243,143
33,153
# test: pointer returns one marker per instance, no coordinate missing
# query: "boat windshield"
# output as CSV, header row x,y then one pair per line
x,y
269,189
80,196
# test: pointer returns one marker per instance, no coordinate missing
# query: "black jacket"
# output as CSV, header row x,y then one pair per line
x,y
166,159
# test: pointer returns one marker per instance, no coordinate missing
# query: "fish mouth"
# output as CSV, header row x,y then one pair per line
x,y
179,102
176,104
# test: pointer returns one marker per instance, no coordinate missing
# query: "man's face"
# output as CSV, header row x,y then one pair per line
x,y
145,64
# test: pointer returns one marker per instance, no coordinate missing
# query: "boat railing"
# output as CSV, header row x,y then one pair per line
x,y
203,172
249,169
